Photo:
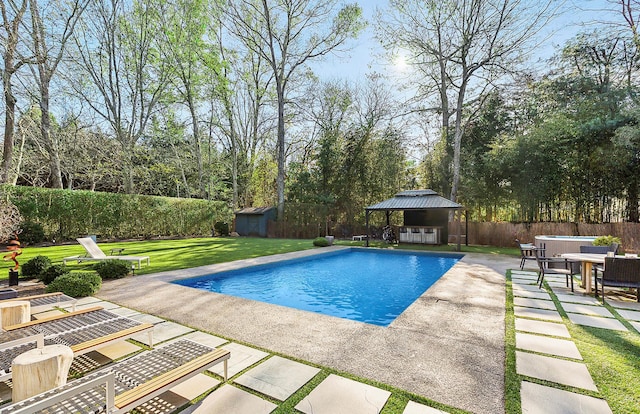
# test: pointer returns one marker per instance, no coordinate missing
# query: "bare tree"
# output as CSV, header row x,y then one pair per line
x,y
12,15
49,44
287,34
124,78
461,48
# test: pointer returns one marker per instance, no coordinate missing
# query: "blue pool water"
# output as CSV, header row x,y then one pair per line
x,y
362,285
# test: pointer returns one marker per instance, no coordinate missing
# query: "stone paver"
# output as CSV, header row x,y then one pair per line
x,y
341,395
195,386
522,286
163,332
523,278
540,399
145,318
104,304
530,294
206,339
277,377
118,350
126,312
570,373
596,322
534,303
229,399
542,327
415,408
585,300
546,345
587,310
636,325
537,313
624,304
629,315
242,357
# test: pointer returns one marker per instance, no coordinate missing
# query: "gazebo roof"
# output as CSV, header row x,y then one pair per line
x,y
415,200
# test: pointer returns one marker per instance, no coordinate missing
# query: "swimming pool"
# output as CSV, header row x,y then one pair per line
x,y
372,286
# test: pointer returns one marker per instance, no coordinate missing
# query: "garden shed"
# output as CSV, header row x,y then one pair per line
x,y
252,221
425,216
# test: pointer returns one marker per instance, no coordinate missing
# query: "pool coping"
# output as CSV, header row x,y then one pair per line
x,y
447,346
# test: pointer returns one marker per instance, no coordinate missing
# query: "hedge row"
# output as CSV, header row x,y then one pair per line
x,y
66,214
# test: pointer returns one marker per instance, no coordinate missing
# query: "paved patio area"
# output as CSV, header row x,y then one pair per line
x,y
448,346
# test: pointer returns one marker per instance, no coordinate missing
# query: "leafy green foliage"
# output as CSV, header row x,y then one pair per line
x,y
69,214
53,272
606,240
320,242
77,285
112,268
221,229
32,232
35,266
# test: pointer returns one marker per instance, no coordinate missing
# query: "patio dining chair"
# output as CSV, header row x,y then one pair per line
x,y
620,272
555,266
526,252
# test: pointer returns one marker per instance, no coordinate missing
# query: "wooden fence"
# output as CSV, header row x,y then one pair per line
x,y
504,234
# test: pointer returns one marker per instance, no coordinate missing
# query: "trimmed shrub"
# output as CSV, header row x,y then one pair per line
x,y
606,240
320,242
112,268
32,233
77,284
221,229
35,266
51,273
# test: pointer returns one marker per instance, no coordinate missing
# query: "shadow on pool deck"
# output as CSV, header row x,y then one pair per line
x,y
447,346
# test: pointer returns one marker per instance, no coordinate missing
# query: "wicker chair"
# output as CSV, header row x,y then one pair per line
x,y
555,266
620,272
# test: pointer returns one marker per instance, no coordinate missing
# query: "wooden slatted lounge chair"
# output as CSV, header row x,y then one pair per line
x,y
94,253
620,272
46,301
84,331
129,383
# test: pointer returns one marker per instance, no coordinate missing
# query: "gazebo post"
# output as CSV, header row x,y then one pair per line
x,y
388,214
459,214
366,220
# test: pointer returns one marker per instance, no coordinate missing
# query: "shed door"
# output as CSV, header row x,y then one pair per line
x,y
254,225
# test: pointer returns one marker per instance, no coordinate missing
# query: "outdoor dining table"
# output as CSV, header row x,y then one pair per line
x,y
587,260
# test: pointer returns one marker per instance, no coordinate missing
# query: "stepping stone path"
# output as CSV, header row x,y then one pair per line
x,y
545,351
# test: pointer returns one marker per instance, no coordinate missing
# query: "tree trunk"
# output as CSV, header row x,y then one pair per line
x,y
280,150
9,128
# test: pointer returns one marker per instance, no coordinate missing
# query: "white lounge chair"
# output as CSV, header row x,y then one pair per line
x,y
95,254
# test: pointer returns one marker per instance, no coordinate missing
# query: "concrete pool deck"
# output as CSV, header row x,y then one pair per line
x,y
447,346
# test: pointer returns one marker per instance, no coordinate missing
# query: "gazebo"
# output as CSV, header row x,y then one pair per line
x,y
425,214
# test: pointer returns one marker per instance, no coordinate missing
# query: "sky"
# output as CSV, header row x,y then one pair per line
x,y
367,55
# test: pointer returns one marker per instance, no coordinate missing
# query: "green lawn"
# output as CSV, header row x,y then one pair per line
x,y
175,254
185,253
